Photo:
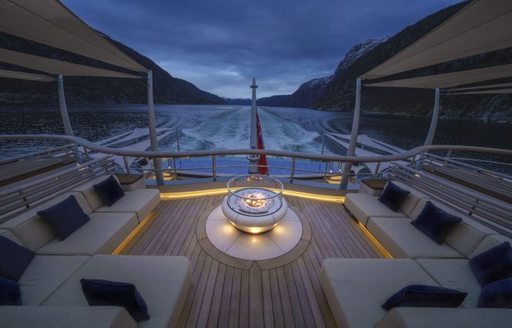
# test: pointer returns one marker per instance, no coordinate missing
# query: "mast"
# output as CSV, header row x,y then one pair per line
x,y
253,160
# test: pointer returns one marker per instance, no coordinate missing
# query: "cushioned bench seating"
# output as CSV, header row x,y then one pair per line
x,y
51,291
363,206
65,317
139,201
401,239
356,289
161,280
101,235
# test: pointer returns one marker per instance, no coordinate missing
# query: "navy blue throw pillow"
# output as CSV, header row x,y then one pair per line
x,y
497,294
393,196
493,264
10,293
425,296
109,191
65,217
435,223
105,292
14,259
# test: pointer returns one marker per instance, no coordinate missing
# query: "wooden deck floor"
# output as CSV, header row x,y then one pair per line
x,y
284,292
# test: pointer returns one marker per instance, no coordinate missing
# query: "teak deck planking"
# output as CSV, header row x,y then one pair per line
x,y
229,292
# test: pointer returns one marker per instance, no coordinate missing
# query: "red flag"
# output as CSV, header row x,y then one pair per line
x,y
262,161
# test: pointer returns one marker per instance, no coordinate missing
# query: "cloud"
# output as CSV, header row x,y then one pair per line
x,y
219,45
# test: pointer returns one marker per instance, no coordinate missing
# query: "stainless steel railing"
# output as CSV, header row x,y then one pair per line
x,y
409,156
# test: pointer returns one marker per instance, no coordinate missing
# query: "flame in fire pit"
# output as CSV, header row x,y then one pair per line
x,y
255,200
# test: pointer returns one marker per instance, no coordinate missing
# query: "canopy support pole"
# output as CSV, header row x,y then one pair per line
x,y
253,159
353,137
157,165
63,108
435,116
65,116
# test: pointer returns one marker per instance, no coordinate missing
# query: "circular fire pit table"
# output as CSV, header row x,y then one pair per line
x,y
254,203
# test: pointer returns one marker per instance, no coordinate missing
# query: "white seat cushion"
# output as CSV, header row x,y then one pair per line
x,y
65,317
101,235
356,288
409,317
31,229
364,206
138,201
466,235
402,239
162,281
45,274
454,274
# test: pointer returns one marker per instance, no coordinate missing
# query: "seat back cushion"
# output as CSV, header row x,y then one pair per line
x,y
32,230
465,236
90,194
489,242
412,199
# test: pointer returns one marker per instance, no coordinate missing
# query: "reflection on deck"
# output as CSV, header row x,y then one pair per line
x,y
226,291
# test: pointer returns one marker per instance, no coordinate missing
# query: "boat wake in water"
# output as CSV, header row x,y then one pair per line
x,y
230,130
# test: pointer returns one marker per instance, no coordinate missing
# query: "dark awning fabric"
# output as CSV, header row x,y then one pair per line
x,y
448,80
480,92
51,23
56,67
25,76
488,86
482,26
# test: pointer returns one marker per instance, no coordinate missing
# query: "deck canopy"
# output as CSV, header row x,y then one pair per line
x,y
25,76
56,67
49,22
480,27
448,80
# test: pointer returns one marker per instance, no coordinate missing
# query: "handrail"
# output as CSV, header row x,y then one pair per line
x,y
35,154
204,153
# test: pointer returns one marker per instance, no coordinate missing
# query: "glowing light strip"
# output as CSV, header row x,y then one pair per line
x,y
220,191
375,242
192,194
119,249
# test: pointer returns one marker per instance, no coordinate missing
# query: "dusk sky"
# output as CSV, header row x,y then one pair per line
x,y
219,45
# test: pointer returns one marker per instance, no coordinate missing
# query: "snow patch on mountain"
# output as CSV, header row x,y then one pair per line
x,y
358,51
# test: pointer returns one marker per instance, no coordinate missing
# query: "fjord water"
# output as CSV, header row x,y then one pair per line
x,y
227,127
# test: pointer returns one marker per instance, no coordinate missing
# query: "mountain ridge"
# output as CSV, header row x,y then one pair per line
x,y
93,90
338,93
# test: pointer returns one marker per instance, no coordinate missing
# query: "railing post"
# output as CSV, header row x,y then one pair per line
x,y
449,154
214,168
326,169
377,169
323,142
86,152
175,168
126,166
178,139
292,172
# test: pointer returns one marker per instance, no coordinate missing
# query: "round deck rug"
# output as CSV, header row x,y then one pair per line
x,y
231,241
